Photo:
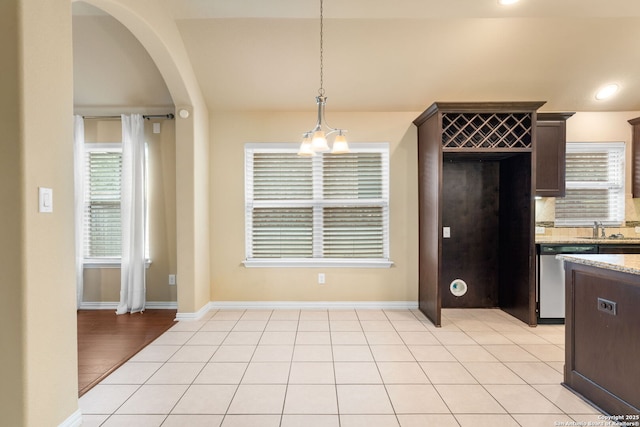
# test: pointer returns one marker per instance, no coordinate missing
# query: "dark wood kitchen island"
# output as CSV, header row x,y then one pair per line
x,y
602,332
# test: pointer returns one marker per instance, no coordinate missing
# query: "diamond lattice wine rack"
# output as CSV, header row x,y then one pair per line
x,y
486,131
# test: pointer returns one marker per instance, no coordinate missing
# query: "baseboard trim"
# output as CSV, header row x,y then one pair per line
x,y
298,305
74,420
112,305
318,305
194,316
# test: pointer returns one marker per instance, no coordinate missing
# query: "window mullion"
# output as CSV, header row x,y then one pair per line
x,y
318,207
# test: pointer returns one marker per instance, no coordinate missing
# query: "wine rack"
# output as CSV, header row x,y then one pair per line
x,y
487,131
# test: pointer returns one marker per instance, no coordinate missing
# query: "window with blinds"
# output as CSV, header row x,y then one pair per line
x,y
103,171
595,185
316,210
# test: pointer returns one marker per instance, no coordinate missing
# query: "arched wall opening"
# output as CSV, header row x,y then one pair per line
x,y
159,35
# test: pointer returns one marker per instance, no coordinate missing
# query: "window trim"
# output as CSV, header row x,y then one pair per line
x,y
320,262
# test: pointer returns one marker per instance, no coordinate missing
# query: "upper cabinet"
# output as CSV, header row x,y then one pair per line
x,y
635,153
551,143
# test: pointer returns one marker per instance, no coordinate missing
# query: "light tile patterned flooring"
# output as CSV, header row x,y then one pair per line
x,y
348,368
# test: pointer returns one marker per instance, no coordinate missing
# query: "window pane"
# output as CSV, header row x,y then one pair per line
x,y
282,233
595,185
281,176
352,176
353,232
102,210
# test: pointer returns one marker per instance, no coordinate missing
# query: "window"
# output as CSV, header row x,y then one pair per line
x,y
102,231
330,210
595,185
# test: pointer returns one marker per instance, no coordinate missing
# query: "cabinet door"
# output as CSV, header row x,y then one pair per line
x,y
550,158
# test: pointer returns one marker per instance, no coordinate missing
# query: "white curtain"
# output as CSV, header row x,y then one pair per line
x,y
132,204
78,167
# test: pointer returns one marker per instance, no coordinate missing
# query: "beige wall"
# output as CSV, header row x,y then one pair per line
x,y
12,366
39,353
231,281
598,127
103,284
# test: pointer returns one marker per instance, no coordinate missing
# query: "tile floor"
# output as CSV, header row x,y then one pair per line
x,y
348,368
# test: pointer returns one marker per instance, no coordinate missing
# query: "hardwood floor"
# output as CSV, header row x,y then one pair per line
x,y
106,340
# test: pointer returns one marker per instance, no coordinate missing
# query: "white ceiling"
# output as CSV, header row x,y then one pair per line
x,y
263,55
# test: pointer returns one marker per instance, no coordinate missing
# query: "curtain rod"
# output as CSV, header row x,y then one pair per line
x,y
169,116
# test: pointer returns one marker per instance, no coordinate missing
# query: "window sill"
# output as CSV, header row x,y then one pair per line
x,y
339,263
107,263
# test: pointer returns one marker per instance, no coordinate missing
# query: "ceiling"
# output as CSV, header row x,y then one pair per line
x,y
263,55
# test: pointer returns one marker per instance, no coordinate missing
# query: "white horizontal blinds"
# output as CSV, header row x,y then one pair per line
x,y
595,185
102,203
355,228
282,233
352,176
354,232
280,187
281,176
322,207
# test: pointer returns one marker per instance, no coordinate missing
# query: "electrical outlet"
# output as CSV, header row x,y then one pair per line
x,y
607,306
172,279
638,230
321,278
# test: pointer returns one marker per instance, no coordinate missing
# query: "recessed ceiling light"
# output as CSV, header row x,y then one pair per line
x,y
505,2
607,91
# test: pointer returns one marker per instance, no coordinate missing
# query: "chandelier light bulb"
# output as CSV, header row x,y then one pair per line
x,y
319,142
340,145
305,146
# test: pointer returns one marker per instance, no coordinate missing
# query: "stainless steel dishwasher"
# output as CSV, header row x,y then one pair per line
x,y
550,289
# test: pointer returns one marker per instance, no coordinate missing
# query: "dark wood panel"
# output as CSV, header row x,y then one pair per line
x,y
601,361
106,340
429,190
517,246
635,157
470,203
550,151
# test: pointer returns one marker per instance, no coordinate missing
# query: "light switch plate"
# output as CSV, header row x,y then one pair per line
x,y
446,232
45,200
156,128
539,230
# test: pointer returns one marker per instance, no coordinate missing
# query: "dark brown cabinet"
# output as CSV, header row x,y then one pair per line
x,y
635,156
601,346
476,212
551,143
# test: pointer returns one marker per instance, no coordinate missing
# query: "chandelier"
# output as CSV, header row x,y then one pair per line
x,y
315,140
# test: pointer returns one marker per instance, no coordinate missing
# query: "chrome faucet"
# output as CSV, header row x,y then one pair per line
x,y
598,230
603,234
595,229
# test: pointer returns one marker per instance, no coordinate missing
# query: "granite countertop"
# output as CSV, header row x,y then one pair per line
x,y
585,240
625,263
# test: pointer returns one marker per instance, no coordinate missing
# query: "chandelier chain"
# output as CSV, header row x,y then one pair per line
x,y
321,90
